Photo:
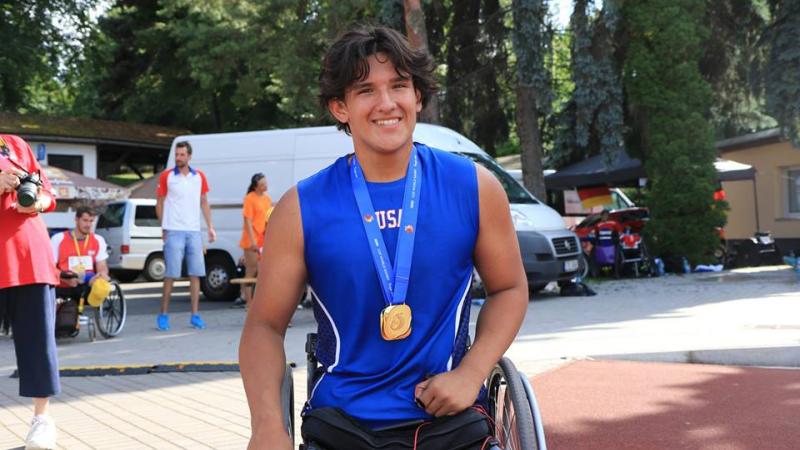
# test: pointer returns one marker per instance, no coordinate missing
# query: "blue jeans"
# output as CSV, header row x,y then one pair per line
x,y
184,244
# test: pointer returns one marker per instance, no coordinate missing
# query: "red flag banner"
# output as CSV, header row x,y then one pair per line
x,y
594,196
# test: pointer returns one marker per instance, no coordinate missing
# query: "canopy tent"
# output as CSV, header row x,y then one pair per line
x,y
70,185
626,171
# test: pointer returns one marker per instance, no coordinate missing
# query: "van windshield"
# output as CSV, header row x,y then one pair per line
x,y
515,192
112,216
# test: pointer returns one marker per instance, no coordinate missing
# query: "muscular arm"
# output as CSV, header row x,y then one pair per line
x,y
498,260
499,263
281,280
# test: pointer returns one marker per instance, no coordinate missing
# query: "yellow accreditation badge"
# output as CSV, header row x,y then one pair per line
x,y
396,322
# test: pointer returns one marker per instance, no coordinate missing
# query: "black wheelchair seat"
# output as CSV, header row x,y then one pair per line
x,y
332,429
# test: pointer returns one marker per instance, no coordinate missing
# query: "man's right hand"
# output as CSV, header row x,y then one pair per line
x,y
8,182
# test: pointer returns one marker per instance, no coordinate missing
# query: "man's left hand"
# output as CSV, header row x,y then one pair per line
x,y
449,393
212,234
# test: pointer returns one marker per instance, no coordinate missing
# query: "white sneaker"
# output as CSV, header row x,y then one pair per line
x,y
42,435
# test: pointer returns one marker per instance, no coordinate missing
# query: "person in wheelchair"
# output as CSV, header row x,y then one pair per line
x,y
387,239
80,256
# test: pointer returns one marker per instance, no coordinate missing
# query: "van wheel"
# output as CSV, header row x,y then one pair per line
x,y
155,267
216,285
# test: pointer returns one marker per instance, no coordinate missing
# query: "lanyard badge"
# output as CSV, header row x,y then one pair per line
x,y
395,320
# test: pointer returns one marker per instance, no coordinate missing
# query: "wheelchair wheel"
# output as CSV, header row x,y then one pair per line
x,y
510,409
287,400
110,316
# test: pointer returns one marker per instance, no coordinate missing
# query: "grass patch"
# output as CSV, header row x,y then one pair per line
x,y
126,179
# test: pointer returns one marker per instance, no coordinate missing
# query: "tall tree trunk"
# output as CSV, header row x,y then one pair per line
x,y
418,38
531,40
530,140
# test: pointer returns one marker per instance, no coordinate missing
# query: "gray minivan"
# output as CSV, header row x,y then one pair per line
x,y
133,234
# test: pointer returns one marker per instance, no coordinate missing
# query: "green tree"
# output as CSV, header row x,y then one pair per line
x,y
531,37
39,44
729,53
781,73
671,102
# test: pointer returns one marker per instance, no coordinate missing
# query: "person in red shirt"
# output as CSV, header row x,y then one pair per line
x,y
27,280
81,256
607,226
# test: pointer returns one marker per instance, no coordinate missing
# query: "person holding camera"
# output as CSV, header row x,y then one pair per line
x,y
27,280
80,254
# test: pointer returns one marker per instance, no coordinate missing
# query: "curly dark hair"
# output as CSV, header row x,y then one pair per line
x,y
346,62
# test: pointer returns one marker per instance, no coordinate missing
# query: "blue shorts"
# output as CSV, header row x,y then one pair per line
x,y
31,311
180,246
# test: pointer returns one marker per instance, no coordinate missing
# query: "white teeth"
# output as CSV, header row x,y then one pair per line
x,y
387,122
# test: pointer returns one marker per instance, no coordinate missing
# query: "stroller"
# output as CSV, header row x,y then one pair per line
x,y
109,307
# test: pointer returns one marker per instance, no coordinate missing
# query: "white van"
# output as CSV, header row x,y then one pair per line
x,y
131,230
550,251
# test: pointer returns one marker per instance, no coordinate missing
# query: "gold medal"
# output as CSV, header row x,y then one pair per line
x,y
396,322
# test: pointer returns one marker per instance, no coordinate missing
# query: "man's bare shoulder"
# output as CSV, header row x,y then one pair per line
x,y
285,219
492,195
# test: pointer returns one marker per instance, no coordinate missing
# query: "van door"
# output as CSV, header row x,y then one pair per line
x,y
110,226
145,240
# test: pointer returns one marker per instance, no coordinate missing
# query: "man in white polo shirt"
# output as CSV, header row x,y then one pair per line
x,y
181,196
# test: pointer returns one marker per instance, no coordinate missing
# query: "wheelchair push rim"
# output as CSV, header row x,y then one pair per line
x,y
510,409
110,316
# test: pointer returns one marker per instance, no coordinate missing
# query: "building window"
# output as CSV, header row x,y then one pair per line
x,y
73,163
793,191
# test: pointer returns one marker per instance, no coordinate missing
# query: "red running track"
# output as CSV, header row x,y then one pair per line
x,y
602,405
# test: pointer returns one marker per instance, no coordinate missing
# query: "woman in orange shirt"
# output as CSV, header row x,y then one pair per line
x,y
257,206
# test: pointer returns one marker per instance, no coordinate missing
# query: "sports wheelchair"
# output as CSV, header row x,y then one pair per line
x,y
109,317
511,404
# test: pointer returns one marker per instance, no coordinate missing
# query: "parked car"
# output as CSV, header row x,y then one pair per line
x,y
633,218
133,235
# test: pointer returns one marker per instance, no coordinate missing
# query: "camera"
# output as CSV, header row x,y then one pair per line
x,y
28,189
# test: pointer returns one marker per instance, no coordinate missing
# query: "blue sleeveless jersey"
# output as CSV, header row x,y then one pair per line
x,y
372,379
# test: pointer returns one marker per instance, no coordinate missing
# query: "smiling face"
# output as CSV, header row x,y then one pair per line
x,y
381,110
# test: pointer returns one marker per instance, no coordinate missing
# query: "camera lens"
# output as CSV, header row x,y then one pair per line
x,y
26,193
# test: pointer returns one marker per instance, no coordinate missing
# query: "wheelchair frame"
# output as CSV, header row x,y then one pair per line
x,y
109,317
509,395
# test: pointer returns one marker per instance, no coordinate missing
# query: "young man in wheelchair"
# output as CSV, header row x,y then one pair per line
x,y
387,239
80,256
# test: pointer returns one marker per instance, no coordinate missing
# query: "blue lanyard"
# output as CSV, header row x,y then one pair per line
x,y
388,274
